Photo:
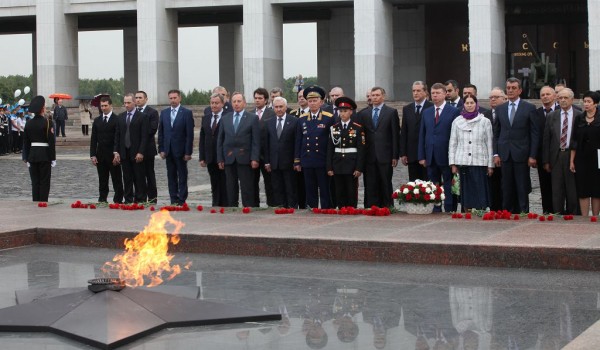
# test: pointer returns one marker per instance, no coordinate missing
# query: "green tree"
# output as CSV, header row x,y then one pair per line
x,y
196,97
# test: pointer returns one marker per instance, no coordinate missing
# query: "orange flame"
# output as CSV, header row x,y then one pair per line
x,y
146,258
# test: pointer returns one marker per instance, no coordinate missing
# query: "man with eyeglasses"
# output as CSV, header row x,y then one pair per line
x,y
497,97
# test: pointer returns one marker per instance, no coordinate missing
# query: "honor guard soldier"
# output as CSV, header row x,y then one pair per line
x,y
345,154
38,150
312,133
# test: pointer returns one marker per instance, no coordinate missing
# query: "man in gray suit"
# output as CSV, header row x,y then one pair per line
x,y
556,153
515,147
238,152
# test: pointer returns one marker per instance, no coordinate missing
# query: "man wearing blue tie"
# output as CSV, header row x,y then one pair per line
x,y
175,144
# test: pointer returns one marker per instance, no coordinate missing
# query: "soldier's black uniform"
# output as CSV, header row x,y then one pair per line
x,y
39,151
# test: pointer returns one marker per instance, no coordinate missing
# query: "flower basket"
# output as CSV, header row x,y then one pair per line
x,y
419,197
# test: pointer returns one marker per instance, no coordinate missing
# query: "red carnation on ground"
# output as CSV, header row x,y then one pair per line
x,y
212,211
246,210
542,218
468,216
593,219
222,210
199,208
516,217
550,218
152,208
92,206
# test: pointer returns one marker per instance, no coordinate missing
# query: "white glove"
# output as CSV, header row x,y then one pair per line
x,y
53,163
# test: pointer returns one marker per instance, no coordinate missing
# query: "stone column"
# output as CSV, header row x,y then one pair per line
x,y
263,45
323,54
238,55
373,46
157,50
594,42
230,57
487,43
409,50
56,50
34,65
341,50
130,57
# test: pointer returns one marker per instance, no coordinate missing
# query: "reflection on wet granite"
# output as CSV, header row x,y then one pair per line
x,y
338,305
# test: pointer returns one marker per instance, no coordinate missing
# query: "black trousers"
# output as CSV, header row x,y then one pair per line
x,y
40,173
545,188
378,184
346,188
133,174
218,185
85,129
150,175
301,190
495,182
284,188
105,169
417,171
240,176
59,126
516,185
268,185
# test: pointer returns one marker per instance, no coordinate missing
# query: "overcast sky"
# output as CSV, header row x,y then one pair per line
x,y
196,69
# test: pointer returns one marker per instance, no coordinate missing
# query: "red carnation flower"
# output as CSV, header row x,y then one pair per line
x,y
92,206
550,218
246,210
200,208
395,195
542,218
291,210
152,208
516,217
212,211
594,219
468,216
222,210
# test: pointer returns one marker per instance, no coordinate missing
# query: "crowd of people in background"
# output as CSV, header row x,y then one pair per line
x,y
313,156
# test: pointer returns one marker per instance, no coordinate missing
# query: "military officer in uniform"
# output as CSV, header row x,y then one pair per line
x,y
312,133
345,154
38,150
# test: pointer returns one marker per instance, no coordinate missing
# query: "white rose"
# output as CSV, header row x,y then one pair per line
x,y
416,191
405,191
442,196
427,190
411,184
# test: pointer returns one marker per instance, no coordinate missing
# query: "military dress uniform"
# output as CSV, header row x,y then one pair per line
x,y
312,135
39,151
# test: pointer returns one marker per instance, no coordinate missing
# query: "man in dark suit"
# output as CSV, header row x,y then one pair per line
x,y
175,144
548,98
471,90
310,157
382,129
516,140
209,133
434,138
496,97
411,127
226,106
238,152
102,145
277,92
60,117
279,155
557,153
264,114
453,94
141,103
39,150
131,140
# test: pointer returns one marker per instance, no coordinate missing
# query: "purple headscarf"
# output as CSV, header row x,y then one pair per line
x,y
470,115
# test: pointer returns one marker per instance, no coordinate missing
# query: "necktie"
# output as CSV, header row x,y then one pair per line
x,y
139,109
375,116
513,109
259,113
314,117
564,129
279,126
106,119
453,104
493,115
127,135
548,110
418,110
213,127
345,126
173,115
437,115
335,111
236,122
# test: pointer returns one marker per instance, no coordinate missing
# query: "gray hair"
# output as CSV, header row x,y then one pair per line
x,y
279,98
219,96
277,89
419,82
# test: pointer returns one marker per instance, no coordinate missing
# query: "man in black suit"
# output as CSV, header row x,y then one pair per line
x,y
301,189
102,145
548,98
409,134
279,155
302,105
453,94
557,153
264,114
209,132
226,106
141,103
382,128
277,92
238,152
496,97
471,90
131,140
516,138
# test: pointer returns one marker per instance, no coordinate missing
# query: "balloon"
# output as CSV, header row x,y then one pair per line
x,y
26,90
21,102
17,93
